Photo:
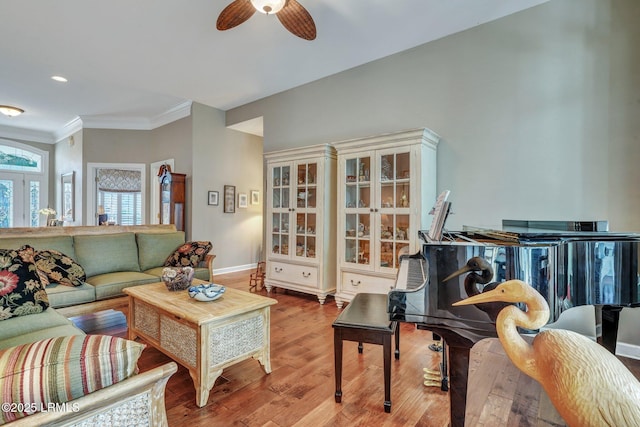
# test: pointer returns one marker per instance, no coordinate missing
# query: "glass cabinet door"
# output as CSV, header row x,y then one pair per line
x,y
357,210
280,218
377,208
306,195
395,180
358,238
358,186
394,236
393,207
305,235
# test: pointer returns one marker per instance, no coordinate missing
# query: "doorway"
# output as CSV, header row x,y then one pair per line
x,y
154,210
23,185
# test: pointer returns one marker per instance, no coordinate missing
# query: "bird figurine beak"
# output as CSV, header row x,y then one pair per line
x,y
457,273
489,296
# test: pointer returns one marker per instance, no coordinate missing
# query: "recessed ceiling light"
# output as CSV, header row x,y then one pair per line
x,y
10,111
59,79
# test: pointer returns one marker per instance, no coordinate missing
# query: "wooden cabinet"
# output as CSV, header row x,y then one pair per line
x,y
386,187
301,218
172,197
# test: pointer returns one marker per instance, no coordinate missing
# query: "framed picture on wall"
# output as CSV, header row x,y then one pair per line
x,y
213,198
255,197
242,200
229,198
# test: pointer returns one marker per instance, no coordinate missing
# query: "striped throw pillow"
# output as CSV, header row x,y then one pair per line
x,y
57,370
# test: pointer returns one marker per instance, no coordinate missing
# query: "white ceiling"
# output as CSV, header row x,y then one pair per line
x,y
138,64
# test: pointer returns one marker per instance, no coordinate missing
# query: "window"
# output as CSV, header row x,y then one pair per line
x,y
118,196
17,159
34,203
121,208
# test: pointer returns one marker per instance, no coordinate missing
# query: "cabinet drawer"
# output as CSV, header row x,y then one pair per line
x,y
357,283
299,274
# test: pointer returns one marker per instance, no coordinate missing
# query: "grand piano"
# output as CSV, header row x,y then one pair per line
x,y
570,263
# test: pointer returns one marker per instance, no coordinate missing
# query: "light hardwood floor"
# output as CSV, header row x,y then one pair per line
x,y
300,389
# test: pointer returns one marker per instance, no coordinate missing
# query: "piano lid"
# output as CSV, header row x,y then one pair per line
x,y
517,224
536,232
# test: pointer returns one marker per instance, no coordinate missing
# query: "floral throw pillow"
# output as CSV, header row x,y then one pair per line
x,y
189,255
56,267
21,291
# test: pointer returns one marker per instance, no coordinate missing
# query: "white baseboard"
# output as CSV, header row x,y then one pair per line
x,y
631,351
234,269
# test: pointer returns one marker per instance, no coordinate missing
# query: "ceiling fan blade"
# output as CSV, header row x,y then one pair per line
x,y
235,14
297,20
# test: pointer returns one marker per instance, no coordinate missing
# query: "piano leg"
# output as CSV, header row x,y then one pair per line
x,y
610,318
458,376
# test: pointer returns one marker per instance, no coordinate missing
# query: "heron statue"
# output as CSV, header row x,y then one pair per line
x,y
587,384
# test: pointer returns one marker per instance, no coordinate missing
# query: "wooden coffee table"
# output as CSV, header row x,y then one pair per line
x,y
204,337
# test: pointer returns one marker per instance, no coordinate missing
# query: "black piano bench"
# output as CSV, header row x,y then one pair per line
x,y
365,320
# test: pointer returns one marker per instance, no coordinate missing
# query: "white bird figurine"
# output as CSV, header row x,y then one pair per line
x,y
587,384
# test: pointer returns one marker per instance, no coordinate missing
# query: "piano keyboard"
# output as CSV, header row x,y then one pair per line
x,y
412,273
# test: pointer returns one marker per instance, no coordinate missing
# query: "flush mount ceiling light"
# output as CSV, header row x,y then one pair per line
x,y
10,111
59,79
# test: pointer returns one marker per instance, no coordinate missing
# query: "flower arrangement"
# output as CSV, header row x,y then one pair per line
x,y
51,215
47,211
177,279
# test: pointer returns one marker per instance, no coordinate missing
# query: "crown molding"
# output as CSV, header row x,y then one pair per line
x,y
27,134
112,122
69,129
138,123
178,112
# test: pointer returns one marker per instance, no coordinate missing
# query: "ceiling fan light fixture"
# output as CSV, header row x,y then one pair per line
x,y
10,111
268,6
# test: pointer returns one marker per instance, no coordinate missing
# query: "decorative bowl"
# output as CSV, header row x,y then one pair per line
x,y
177,279
206,292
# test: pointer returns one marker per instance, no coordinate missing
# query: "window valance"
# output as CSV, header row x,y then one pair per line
x,y
119,180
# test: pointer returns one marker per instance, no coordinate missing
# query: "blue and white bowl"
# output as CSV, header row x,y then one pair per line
x,y
206,292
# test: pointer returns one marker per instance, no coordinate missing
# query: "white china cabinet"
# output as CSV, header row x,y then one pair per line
x,y
386,188
301,220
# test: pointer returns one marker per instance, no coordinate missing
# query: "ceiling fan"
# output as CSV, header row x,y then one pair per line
x,y
291,14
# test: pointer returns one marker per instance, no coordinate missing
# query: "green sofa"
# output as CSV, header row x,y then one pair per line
x,y
113,259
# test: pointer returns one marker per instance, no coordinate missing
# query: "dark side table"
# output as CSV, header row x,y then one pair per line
x,y
365,320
